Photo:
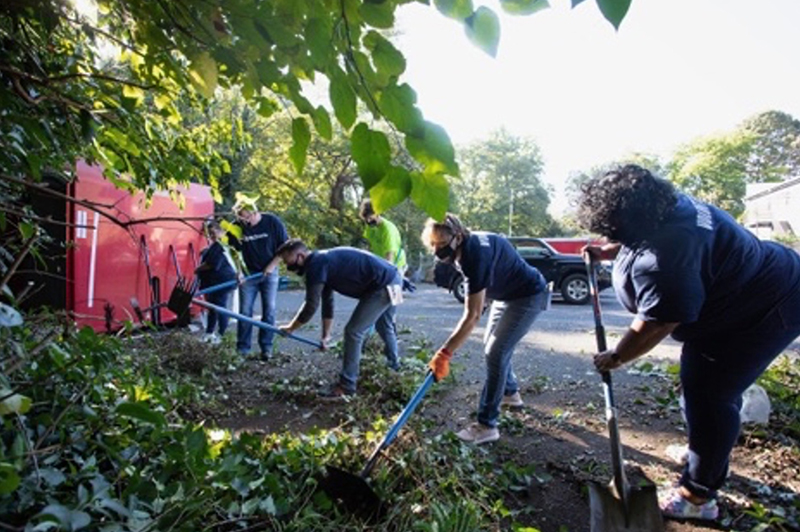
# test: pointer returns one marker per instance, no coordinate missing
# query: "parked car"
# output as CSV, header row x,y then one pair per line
x,y
566,272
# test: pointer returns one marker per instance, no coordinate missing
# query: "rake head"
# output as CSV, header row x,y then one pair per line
x,y
181,297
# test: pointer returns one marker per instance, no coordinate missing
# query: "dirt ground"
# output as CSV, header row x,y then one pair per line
x,y
560,431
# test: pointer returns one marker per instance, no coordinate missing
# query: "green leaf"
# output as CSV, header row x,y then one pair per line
x,y
9,479
388,60
378,15
142,412
68,519
15,404
372,154
301,138
398,105
457,9
134,93
391,190
431,193
318,34
203,74
523,7
322,122
27,230
231,228
483,29
614,10
433,149
343,99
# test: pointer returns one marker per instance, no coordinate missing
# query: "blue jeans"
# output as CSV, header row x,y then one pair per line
x,y
376,309
714,374
508,322
267,287
214,319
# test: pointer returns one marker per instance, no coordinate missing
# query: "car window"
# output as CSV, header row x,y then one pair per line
x,y
532,249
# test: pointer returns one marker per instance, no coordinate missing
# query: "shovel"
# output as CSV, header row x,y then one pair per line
x,y
182,297
617,506
352,492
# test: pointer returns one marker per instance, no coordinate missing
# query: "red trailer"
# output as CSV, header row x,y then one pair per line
x,y
104,264
571,246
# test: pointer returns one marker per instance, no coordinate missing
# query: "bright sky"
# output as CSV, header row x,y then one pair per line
x,y
676,70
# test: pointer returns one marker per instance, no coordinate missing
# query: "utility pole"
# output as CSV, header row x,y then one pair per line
x,y
510,209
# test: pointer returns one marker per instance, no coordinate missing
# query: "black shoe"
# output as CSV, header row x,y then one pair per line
x,y
335,393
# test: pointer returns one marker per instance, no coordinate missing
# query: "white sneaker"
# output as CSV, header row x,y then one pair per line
x,y
207,338
478,434
512,401
215,339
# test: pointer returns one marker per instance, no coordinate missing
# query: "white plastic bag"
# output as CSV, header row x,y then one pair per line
x,y
756,406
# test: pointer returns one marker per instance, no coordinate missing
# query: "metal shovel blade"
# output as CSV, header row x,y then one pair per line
x,y
608,513
352,493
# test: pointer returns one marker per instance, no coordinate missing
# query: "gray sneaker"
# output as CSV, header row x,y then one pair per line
x,y
512,401
478,434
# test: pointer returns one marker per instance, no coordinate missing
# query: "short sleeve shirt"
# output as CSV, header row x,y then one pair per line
x,y
384,239
349,271
489,262
704,271
259,242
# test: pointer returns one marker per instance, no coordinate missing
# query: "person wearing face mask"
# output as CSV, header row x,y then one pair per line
x,y
216,267
383,237
492,269
374,282
261,235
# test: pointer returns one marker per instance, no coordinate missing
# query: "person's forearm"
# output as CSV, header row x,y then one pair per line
x,y
462,331
641,337
327,324
272,265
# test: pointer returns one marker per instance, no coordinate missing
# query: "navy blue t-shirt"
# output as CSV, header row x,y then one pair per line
x,y
704,271
488,261
349,271
219,266
259,242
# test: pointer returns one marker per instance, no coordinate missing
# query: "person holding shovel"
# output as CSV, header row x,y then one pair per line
x,y
261,235
374,282
687,269
216,267
492,269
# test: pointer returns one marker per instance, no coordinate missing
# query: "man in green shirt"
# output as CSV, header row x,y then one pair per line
x,y
383,237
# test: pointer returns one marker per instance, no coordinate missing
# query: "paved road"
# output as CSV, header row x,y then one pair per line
x,y
558,346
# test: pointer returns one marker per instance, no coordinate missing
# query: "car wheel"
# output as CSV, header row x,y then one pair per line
x,y
459,289
575,289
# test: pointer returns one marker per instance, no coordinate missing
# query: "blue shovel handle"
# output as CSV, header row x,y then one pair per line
x,y
227,284
401,420
257,323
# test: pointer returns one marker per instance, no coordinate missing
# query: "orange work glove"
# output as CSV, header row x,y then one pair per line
x,y
440,364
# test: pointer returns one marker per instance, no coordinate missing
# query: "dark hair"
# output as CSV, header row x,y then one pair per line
x,y
290,245
365,209
450,226
626,204
211,224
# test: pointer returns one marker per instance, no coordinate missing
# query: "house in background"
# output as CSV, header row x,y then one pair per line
x,y
772,210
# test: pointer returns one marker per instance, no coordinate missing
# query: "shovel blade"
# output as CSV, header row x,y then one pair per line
x,y
352,493
608,513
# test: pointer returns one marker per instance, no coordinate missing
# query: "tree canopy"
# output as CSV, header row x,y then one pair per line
x,y
117,86
505,173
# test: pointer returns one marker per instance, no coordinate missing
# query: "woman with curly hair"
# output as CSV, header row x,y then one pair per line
x,y
687,269
493,269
